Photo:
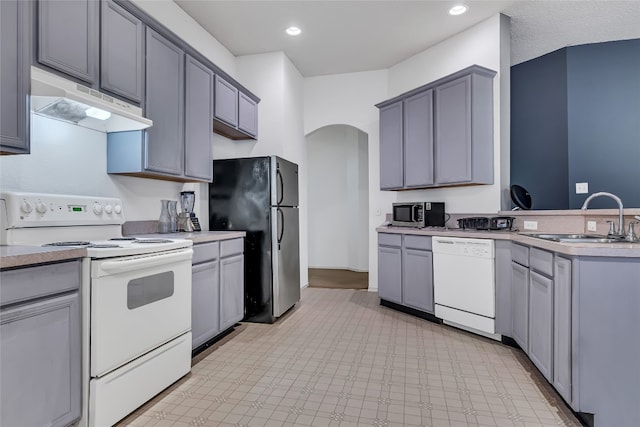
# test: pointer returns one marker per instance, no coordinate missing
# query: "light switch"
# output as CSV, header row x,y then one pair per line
x,y
531,225
591,226
582,187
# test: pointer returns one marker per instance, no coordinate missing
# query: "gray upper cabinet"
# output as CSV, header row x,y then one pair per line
x,y
439,134
121,52
464,130
226,102
235,113
247,115
68,37
391,143
164,104
418,140
198,115
562,313
15,59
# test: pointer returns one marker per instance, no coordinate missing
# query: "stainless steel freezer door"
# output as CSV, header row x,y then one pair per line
x,y
286,258
284,182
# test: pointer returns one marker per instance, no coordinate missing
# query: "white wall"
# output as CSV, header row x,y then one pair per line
x,y
338,198
350,98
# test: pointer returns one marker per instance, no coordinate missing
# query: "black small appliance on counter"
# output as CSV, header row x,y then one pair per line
x,y
487,223
418,214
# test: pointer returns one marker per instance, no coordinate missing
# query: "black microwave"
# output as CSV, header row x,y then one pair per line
x,y
420,214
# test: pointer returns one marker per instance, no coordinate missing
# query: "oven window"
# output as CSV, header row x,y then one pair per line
x,y
402,213
149,289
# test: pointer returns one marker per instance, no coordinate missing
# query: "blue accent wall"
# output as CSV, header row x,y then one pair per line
x,y
604,121
539,151
575,117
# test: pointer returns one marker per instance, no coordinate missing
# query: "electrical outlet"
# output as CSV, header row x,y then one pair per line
x,y
582,187
531,225
378,212
591,226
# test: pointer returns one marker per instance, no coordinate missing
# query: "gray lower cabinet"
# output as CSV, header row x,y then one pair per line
x,y
562,336
15,60
541,323
231,290
68,33
405,273
40,351
217,297
439,134
164,104
390,267
205,301
121,52
198,113
520,305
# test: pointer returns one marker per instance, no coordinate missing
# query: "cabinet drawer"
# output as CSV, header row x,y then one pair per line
x,y
417,242
32,282
387,239
541,261
231,247
205,252
520,254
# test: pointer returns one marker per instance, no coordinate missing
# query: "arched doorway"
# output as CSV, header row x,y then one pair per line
x,y
338,205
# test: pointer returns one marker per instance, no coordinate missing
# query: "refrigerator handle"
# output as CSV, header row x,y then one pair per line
x,y
281,183
281,223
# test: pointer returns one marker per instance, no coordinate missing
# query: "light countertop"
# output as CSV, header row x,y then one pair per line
x,y
625,250
19,256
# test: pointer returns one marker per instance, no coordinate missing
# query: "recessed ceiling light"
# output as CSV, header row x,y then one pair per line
x,y
458,9
293,31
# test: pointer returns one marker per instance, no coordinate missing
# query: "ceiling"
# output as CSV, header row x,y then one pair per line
x,y
341,36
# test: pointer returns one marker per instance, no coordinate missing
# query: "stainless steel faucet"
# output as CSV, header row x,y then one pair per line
x,y
620,208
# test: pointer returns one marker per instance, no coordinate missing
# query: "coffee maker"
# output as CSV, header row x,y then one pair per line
x,y
187,220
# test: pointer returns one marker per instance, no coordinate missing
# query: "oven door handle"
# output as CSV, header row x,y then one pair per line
x,y
122,266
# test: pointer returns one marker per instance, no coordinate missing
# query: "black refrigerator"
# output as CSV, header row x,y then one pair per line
x,y
259,195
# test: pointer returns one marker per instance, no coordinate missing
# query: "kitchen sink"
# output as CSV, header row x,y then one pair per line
x,y
577,238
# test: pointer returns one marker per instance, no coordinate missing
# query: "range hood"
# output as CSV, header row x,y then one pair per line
x,y
61,99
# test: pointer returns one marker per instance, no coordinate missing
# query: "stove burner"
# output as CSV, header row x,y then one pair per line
x,y
85,244
152,241
68,244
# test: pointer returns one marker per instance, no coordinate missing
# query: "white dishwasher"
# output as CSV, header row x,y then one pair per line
x,y
464,283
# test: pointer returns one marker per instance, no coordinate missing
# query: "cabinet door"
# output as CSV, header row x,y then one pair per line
x,y
390,274
231,291
418,140
391,147
121,53
562,327
40,361
164,145
198,120
68,37
541,323
417,279
520,305
247,115
226,102
15,59
453,132
205,302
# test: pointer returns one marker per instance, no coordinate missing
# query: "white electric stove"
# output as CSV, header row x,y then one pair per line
x,y
136,297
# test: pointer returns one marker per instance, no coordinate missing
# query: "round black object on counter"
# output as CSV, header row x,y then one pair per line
x,y
520,197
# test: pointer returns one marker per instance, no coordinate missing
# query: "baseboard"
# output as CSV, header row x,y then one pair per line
x,y
355,270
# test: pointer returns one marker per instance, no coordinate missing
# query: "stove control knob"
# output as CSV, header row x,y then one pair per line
x,y
26,206
97,208
117,209
108,209
41,208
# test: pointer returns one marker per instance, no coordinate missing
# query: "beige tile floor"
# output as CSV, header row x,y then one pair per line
x,y
340,359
